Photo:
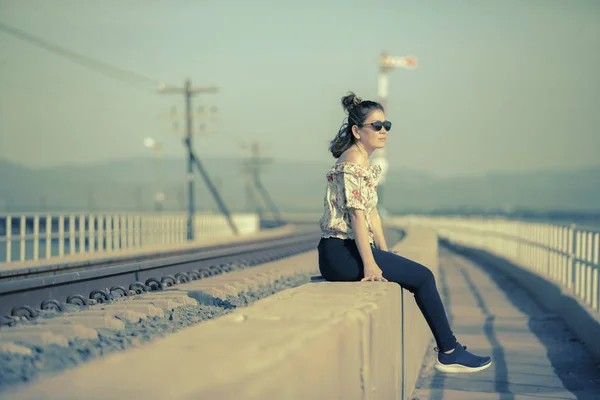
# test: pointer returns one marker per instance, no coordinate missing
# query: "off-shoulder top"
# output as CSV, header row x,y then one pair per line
x,y
349,185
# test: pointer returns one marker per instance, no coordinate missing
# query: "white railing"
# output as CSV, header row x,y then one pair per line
x,y
566,254
36,236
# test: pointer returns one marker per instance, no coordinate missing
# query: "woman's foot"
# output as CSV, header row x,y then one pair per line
x,y
460,360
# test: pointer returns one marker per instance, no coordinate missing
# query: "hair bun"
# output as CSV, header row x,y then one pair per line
x,y
350,100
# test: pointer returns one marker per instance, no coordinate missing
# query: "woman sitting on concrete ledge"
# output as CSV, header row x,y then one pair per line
x,y
352,245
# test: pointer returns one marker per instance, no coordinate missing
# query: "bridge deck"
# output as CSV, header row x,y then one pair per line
x,y
535,355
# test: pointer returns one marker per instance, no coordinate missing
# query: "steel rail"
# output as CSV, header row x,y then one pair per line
x,y
27,295
59,266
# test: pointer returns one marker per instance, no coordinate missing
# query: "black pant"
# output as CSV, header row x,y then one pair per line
x,y
339,260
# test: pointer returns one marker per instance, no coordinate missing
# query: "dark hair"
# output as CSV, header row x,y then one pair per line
x,y
358,110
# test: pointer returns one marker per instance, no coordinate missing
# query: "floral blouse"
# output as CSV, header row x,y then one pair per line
x,y
349,185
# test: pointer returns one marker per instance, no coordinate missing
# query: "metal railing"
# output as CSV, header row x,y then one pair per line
x,y
566,254
36,236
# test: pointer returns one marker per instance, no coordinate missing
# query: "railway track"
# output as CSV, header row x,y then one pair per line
x,y
27,295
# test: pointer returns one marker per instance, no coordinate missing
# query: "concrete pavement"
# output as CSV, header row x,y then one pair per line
x,y
535,355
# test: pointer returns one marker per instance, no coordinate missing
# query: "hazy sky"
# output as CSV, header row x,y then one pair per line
x,y
501,85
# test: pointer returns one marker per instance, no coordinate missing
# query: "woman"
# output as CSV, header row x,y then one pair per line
x,y
352,245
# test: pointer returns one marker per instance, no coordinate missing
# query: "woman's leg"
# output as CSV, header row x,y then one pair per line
x,y
420,281
339,260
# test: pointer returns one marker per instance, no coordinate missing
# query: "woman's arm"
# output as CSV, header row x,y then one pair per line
x,y
372,271
358,219
378,235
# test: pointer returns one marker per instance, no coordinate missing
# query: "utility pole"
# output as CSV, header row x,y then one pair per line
x,y
386,64
188,91
253,167
251,204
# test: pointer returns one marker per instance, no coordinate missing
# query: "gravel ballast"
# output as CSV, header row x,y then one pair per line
x,y
17,369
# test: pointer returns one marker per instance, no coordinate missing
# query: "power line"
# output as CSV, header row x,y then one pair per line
x,y
93,64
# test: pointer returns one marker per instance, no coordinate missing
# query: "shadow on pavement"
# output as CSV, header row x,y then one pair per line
x,y
574,366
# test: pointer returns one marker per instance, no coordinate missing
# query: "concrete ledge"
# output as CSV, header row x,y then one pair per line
x,y
582,319
322,340
313,341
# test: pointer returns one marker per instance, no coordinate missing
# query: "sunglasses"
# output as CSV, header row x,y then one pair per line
x,y
377,125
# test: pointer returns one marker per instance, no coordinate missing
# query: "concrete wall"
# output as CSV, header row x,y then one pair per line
x,y
322,340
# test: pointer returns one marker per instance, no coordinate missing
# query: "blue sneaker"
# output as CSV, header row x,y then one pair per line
x,y
460,360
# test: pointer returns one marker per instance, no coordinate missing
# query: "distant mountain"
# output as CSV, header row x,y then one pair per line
x,y
537,190
295,186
